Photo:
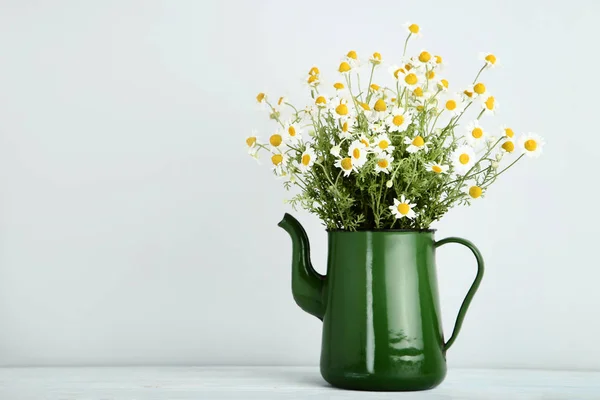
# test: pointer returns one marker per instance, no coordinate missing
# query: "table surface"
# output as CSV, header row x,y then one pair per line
x,y
264,383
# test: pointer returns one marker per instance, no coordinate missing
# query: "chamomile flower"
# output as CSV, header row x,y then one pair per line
x,y
508,132
453,104
346,165
383,163
477,90
463,159
376,89
321,101
412,79
416,144
340,108
472,190
251,142
489,59
335,150
507,145
339,87
437,168
379,109
398,120
375,59
276,140
475,134
442,85
313,80
397,72
279,160
421,95
489,104
424,58
365,141
439,62
358,153
531,144
403,208
347,126
352,58
307,159
377,126
293,131
383,144
413,29
261,97
345,67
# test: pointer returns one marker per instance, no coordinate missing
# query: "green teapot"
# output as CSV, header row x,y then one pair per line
x,y
379,306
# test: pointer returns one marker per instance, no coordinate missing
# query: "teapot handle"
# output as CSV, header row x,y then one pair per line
x,y
467,301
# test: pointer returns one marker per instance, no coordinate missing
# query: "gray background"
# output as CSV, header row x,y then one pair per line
x,y
134,229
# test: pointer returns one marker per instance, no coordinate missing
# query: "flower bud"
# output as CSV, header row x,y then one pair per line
x,y
335,150
498,156
389,184
495,164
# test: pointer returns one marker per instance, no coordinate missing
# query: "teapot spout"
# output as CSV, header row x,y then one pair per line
x,y
307,284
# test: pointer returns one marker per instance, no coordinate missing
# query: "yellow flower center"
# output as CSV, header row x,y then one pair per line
x,y
250,141
376,56
383,163
438,59
477,133
276,159
356,153
314,71
403,208
352,54
468,94
430,75
475,191
380,105
418,92
275,140
479,88
346,164
375,87
424,56
345,127
489,103
509,132
408,67
321,100
344,67
313,78
411,79
305,159
398,120
530,145
464,159
397,72
508,146
365,106
342,109
418,141
260,97
437,169
383,144
451,105
338,85
444,83
490,58
414,28
292,131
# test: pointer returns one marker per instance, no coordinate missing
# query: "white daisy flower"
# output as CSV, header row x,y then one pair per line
x,y
345,164
345,67
321,102
531,144
439,62
383,163
489,104
307,159
340,108
463,159
375,59
365,141
489,59
397,72
340,88
437,168
472,189
293,131
477,90
413,29
347,127
358,153
442,85
383,144
379,109
416,144
453,104
424,59
398,120
251,142
403,208
507,131
279,161
475,134
412,79
376,89
352,58
507,145
377,127
421,95
277,140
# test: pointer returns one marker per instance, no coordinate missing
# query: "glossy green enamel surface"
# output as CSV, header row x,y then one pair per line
x,y
379,305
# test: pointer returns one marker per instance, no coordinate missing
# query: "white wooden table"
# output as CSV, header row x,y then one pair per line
x,y
264,383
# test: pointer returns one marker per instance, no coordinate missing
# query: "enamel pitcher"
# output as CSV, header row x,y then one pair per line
x,y
379,306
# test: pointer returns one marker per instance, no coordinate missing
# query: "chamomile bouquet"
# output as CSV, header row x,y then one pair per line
x,y
389,156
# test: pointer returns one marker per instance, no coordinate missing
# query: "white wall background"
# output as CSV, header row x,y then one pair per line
x,y
135,230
